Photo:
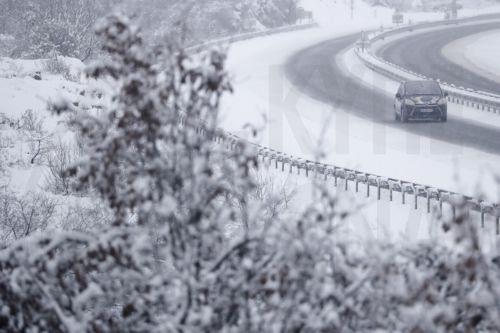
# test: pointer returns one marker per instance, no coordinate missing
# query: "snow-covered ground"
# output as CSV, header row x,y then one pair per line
x,y
19,92
479,53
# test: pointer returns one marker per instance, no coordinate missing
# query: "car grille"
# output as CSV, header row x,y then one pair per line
x,y
425,111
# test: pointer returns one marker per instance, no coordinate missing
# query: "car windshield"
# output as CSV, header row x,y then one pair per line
x,y
423,88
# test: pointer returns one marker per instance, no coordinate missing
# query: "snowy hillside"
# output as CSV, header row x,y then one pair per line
x,y
341,13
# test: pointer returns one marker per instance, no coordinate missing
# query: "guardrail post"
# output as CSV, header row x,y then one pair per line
x,y
357,184
454,209
379,194
335,176
482,216
428,201
367,187
415,193
391,191
403,194
497,220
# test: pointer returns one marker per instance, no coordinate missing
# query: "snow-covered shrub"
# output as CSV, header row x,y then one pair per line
x,y
59,159
56,66
85,216
7,44
9,68
39,140
23,215
277,12
274,193
69,68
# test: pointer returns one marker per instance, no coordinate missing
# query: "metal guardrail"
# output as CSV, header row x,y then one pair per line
x,y
241,37
349,179
477,99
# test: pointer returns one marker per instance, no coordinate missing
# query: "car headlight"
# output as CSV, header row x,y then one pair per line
x,y
409,102
442,101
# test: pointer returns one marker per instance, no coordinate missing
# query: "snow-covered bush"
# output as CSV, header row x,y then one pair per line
x,y
60,158
7,44
38,139
23,215
276,13
85,216
57,66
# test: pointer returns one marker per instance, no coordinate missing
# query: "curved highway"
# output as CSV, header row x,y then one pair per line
x,y
315,72
422,54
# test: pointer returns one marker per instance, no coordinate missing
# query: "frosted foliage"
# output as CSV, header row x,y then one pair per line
x,y
43,27
166,262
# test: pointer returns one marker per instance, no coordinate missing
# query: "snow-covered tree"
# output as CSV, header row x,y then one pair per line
x,y
39,140
42,27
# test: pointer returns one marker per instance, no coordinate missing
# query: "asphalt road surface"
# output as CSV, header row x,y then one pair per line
x,y
422,54
314,72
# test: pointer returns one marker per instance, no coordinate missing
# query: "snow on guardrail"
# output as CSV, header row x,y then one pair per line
x,y
349,179
477,99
